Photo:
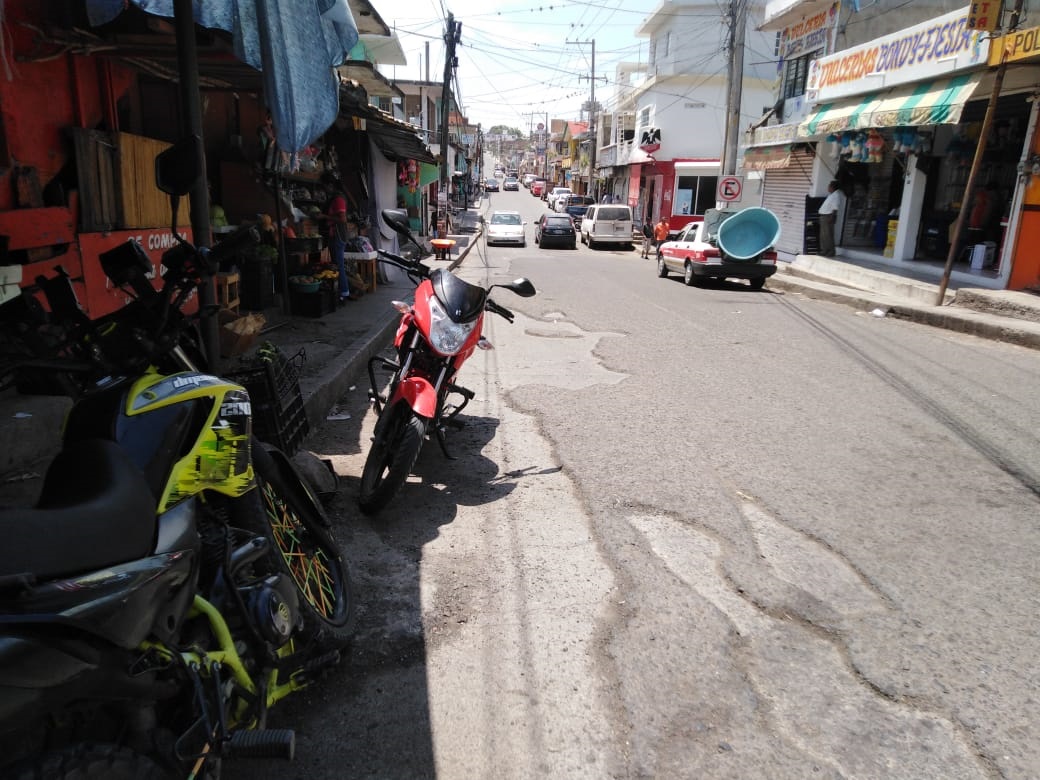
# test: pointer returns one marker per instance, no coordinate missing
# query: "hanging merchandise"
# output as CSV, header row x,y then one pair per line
x,y
874,146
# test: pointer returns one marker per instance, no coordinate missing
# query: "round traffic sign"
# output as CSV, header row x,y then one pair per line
x,y
729,188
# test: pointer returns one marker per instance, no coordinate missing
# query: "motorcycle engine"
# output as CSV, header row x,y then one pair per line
x,y
276,609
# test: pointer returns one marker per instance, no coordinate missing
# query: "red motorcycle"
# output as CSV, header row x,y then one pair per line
x,y
438,332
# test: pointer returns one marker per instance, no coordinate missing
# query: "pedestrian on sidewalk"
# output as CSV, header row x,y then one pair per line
x,y
648,237
832,205
339,234
660,234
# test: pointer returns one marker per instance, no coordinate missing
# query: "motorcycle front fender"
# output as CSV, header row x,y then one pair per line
x,y
419,393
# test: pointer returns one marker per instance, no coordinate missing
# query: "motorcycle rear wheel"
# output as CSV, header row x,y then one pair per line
x,y
303,549
395,448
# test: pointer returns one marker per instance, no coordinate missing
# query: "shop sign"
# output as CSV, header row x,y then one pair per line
x,y
1020,45
650,140
771,135
984,15
925,51
808,35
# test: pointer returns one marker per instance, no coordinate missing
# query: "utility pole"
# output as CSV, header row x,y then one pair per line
x,y
735,77
451,37
592,117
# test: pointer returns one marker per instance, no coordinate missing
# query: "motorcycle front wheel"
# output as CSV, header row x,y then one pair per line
x,y
399,437
303,549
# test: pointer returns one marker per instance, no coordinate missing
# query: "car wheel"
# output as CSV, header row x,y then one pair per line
x,y
662,269
757,284
592,244
582,237
689,277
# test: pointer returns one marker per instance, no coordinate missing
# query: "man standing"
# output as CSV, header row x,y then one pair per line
x,y
660,233
832,205
338,235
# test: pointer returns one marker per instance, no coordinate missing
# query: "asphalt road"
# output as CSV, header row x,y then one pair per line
x,y
697,533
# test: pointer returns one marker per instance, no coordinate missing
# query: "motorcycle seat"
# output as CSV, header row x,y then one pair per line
x,y
463,301
95,510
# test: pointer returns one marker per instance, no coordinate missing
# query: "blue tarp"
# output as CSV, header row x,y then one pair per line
x,y
294,43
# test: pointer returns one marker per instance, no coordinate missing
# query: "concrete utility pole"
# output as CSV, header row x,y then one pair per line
x,y
592,116
451,37
735,77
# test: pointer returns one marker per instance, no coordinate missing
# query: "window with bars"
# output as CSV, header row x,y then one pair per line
x,y
796,72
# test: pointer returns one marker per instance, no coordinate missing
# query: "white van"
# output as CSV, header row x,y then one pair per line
x,y
607,223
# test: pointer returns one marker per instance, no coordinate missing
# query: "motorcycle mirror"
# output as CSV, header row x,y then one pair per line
x,y
521,287
177,168
397,219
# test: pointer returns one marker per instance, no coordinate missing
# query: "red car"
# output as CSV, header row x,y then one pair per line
x,y
538,187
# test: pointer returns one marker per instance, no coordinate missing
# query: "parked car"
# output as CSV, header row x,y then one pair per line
x,y
491,185
563,201
537,186
695,254
607,223
527,179
555,229
506,227
554,196
576,207
510,183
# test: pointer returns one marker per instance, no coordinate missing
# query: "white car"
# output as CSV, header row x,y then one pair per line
x,y
696,255
556,192
506,227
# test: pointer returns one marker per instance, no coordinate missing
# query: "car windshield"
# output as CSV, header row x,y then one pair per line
x,y
505,219
558,221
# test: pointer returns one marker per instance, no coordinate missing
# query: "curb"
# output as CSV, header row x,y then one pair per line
x,y
1024,333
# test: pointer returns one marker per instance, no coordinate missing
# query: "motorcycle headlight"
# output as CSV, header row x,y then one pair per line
x,y
447,337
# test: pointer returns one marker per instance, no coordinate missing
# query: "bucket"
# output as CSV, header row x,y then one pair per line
x,y
749,233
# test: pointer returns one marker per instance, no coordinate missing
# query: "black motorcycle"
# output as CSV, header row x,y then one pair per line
x,y
177,577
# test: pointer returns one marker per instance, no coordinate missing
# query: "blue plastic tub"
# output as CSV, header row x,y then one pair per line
x,y
749,233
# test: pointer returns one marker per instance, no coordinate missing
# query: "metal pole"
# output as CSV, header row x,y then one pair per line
x,y
191,124
976,163
449,56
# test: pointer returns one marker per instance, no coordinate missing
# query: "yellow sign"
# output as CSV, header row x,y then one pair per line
x,y
984,15
1020,45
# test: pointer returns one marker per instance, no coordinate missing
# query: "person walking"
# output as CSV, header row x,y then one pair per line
x,y
648,237
660,233
832,205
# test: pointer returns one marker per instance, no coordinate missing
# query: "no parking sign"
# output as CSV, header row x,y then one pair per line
x,y
730,188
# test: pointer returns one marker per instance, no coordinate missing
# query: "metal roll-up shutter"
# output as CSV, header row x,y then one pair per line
x,y
783,193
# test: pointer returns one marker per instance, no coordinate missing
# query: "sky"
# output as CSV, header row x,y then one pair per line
x,y
520,60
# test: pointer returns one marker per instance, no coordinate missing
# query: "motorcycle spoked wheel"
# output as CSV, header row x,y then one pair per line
x,y
303,549
395,448
91,761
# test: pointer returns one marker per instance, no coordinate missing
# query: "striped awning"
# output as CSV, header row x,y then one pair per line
x,y
925,103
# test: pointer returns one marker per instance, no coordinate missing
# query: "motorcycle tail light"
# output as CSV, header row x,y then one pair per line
x,y
447,337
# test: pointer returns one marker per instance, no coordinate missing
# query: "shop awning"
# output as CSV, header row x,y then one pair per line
x,y
765,158
937,102
399,144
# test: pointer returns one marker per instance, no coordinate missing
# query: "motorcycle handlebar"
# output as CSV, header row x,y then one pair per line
x,y
411,266
500,310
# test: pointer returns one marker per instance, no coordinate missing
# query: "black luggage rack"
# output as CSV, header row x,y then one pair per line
x,y
273,382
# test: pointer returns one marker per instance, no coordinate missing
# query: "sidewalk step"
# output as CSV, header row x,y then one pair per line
x,y
849,275
1006,303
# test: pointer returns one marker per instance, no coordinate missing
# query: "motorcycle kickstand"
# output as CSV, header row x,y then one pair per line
x,y
442,440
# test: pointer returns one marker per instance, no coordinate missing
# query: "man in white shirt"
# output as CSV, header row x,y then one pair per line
x,y
829,209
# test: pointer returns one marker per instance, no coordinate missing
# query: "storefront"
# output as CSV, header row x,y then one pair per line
x,y
897,122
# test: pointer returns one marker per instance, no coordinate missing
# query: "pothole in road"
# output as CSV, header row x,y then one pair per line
x,y
569,362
